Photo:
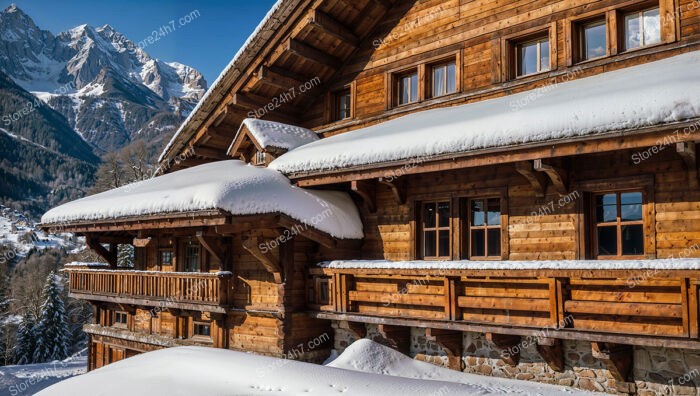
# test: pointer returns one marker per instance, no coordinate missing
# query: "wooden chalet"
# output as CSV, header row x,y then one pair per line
x,y
505,188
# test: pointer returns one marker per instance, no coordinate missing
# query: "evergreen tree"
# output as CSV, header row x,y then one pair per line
x,y
125,256
52,335
24,347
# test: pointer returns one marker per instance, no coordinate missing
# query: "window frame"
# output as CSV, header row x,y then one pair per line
x,y
467,220
336,98
618,224
518,61
199,324
579,37
430,86
436,229
397,78
200,263
160,256
622,13
116,323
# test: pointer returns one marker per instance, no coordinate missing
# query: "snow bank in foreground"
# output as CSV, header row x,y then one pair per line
x,y
195,371
232,186
656,264
650,94
368,356
31,378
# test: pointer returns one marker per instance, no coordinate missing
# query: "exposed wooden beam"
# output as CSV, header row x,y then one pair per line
x,y
367,190
110,255
552,352
687,152
266,258
537,180
307,231
277,78
141,242
209,152
395,337
332,27
508,345
308,52
210,245
385,4
557,176
616,357
398,188
451,342
265,108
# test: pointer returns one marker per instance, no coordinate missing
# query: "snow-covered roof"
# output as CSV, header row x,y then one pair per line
x,y
655,265
231,186
270,134
651,94
265,28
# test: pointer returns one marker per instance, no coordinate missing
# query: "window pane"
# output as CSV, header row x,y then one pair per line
x,y
478,243
438,80
414,87
527,58
444,214
631,206
607,241
444,243
633,38
429,215
652,27
451,78
606,208
477,211
429,244
494,212
404,90
494,248
632,240
192,258
544,55
595,42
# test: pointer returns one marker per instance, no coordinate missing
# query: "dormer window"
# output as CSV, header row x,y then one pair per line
x,y
260,158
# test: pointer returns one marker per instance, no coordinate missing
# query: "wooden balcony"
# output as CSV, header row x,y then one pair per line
x,y
594,305
183,290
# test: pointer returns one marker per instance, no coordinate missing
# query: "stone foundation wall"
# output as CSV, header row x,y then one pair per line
x,y
656,371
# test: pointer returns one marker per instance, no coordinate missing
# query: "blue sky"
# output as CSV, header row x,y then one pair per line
x,y
207,43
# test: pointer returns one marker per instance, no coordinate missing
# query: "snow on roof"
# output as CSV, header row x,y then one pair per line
x,y
656,264
209,371
276,134
246,47
231,186
650,94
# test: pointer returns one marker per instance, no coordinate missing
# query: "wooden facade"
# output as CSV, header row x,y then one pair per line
x,y
543,201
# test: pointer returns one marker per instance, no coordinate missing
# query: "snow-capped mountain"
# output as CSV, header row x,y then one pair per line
x,y
110,90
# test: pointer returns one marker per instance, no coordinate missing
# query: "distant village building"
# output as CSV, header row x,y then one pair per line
x,y
504,188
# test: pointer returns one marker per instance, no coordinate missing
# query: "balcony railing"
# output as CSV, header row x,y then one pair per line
x,y
185,290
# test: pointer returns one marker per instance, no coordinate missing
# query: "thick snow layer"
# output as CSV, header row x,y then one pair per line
x,y
278,135
194,371
651,94
658,264
232,186
370,357
29,379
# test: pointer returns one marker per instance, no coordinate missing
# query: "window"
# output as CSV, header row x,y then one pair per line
x,y
201,329
260,158
166,257
120,319
342,105
532,56
485,228
444,79
407,88
592,39
642,28
619,224
436,230
192,257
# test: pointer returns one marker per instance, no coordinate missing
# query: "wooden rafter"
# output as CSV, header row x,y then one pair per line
x,y
307,231
558,176
332,27
367,190
617,358
552,352
266,258
208,152
210,245
508,345
451,342
278,78
537,180
109,255
688,153
398,188
308,52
